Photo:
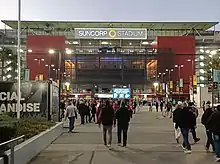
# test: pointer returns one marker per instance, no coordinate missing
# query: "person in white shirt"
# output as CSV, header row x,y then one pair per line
x,y
71,113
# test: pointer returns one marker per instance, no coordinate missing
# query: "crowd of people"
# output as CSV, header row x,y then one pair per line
x,y
107,113
185,122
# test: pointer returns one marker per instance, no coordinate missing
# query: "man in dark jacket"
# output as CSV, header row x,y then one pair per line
x,y
123,119
93,111
195,112
205,117
107,119
214,124
186,122
176,113
83,109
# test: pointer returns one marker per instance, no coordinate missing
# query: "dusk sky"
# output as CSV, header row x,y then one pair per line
x,y
114,10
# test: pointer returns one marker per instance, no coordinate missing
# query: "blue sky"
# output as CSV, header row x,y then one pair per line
x,y
114,10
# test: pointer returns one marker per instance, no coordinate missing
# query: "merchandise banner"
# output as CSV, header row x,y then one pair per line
x,y
34,98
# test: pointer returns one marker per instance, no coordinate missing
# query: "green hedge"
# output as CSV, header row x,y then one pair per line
x,y
12,128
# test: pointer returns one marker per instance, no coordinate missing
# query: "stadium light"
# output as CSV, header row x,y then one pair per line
x,y
202,64
145,43
75,42
67,84
68,51
214,52
104,43
201,57
51,51
202,71
201,50
202,78
207,51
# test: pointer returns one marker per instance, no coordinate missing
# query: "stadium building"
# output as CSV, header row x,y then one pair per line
x,y
94,57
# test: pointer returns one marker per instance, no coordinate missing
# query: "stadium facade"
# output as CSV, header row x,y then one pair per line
x,y
96,56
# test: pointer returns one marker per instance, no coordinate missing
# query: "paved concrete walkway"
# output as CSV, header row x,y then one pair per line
x,y
150,141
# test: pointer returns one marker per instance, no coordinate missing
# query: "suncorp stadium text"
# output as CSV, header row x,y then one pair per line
x,y
111,33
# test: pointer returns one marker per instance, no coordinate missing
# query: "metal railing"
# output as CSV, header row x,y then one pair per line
x,y
11,144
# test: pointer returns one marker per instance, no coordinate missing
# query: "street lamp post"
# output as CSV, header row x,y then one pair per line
x,y
59,75
192,69
49,70
179,75
162,80
56,73
169,78
39,60
19,61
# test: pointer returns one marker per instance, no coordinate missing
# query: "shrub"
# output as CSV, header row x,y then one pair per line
x,y
12,128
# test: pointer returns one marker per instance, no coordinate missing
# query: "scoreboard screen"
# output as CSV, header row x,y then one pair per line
x,y
121,93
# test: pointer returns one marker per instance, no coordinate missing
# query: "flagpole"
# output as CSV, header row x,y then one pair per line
x,y
18,60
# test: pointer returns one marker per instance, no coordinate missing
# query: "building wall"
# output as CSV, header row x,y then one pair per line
x,y
183,48
40,46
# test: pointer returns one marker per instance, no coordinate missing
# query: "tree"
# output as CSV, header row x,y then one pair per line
x,y
8,64
212,63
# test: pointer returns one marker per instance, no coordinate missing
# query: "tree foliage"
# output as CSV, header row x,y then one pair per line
x,y
212,63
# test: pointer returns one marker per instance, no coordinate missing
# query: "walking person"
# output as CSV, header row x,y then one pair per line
x,y
203,106
176,113
123,118
150,106
88,109
214,124
62,108
130,108
186,122
93,111
157,106
134,106
82,111
205,117
71,114
99,107
107,119
161,106
195,112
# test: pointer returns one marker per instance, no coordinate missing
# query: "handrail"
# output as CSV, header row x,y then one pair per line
x,y
12,143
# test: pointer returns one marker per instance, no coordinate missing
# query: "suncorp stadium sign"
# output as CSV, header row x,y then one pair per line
x,y
110,33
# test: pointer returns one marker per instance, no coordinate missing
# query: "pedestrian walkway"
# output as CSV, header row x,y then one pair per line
x,y
150,141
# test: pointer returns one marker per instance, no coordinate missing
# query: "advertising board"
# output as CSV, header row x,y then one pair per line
x,y
34,98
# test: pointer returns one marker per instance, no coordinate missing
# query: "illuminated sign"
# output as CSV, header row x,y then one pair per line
x,y
110,33
121,93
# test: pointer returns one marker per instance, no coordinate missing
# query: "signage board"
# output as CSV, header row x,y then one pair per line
x,y
34,98
27,74
121,93
181,83
171,84
194,80
216,75
110,33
